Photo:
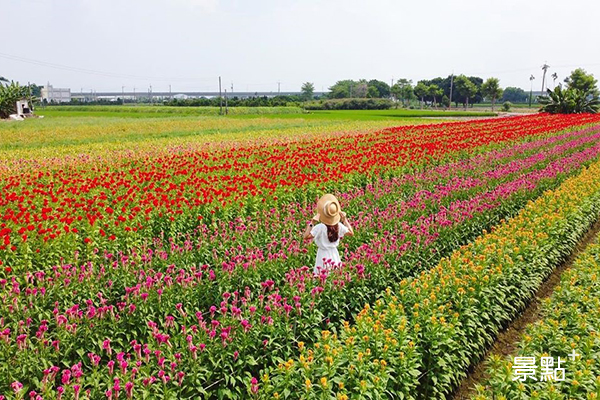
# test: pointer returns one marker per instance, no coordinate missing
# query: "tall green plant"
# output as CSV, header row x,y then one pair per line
x,y
569,101
10,93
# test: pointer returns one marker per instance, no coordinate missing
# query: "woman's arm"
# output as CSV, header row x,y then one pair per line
x,y
347,224
306,235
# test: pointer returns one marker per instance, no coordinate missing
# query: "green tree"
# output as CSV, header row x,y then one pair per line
x,y
581,80
434,91
421,90
308,90
515,95
360,89
568,101
491,89
403,90
341,89
465,88
372,92
383,89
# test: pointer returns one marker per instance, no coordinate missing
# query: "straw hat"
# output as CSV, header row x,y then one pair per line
x,y
328,210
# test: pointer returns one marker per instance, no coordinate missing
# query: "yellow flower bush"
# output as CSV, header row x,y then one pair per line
x,y
570,321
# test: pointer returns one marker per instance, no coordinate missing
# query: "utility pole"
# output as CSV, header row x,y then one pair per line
x,y
278,88
122,94
232,87
134,98
226,108
220,99
544,68
170,96
451,85
531,78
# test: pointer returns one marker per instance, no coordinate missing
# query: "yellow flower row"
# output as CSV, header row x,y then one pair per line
x,y
570,321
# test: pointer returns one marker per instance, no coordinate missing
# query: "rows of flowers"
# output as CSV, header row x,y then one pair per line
x,y
48,213
64,142
419,339
138,318
570,322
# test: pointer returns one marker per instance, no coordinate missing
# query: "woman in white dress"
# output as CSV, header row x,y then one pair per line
x,y
327,227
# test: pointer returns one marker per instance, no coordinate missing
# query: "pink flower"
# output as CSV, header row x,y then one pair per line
x,y
76,389
254,385
246,325
16,386
111,366
129,389
106,346
66,377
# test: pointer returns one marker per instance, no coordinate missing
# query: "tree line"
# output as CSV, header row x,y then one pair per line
x,y
438,91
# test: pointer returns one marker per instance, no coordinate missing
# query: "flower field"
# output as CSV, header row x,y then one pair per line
x,y
418,340
570,322
179,272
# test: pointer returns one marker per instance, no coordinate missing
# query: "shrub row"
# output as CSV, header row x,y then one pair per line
x,y
350,104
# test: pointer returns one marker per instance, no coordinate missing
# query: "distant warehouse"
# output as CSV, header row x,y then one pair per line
x,y
56,95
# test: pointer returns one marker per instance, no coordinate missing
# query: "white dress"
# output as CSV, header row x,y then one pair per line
x,y
327,254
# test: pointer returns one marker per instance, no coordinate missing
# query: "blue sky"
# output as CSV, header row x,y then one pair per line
x,y
255,44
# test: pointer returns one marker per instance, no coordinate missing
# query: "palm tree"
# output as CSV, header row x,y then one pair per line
x,y
554,78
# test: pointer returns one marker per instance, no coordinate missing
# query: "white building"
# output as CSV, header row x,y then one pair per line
x,y
56,95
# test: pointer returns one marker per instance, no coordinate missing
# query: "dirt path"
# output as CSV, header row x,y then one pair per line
x,y
508,339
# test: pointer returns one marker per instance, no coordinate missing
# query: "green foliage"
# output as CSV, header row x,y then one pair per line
x,y
515,95
491,89
506,106
569,101
403,90
10,93
264,101
372,92
351,104
465,88
359,89
380,88
308,90
570,320
435,92
581,80
421,90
